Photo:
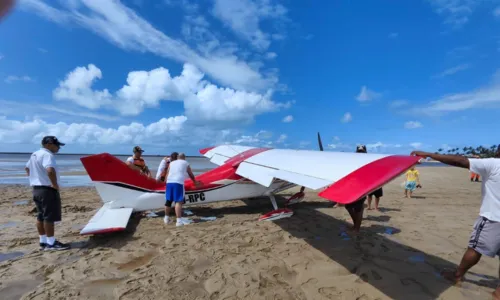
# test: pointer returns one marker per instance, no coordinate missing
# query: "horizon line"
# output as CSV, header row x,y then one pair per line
x,y
88,154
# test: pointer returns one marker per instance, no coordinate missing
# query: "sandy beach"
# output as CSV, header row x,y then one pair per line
x,y
398,254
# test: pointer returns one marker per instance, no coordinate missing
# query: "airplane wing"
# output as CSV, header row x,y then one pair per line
x,y
107,220
220,154
343,177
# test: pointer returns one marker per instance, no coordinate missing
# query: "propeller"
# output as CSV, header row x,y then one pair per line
x,y
320,143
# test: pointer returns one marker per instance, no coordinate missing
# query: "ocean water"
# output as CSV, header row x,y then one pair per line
x,y
12,168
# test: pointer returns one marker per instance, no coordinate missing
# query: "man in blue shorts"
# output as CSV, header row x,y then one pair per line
x,y
175,177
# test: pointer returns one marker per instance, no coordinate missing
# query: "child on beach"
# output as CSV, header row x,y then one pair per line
x,y
412,182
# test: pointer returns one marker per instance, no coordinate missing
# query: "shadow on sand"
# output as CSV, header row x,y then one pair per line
x,y
396,270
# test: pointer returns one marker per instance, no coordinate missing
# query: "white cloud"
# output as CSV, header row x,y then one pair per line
x,y
203,101
282,139
261,138
393,35
304,144
456,12
398,103
122,27
288,119
496,12
166,129
416,145
367,95
42,50
347,117
1,56
336,138
271,55
12,108
244,17
484,97
12,79
77,87
452,71
413,125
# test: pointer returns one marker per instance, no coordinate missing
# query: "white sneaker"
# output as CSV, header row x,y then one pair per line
x,y
186,221
183,221
166,220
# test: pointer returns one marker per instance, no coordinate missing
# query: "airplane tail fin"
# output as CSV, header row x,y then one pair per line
x,y
105,167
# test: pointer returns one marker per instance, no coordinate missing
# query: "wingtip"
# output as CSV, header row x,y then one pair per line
x,y
102,231
368,178
205,150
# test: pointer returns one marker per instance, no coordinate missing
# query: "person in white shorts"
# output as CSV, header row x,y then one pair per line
x,y
485,237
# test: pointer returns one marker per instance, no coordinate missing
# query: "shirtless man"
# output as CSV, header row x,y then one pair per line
x,y
485,237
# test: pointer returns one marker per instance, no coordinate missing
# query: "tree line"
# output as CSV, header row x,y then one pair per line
x,y
480,151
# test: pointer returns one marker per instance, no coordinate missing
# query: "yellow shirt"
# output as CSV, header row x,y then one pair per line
x,y
411,175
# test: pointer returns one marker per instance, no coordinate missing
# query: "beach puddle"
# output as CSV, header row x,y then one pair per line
x,y
8,225
10,255
137,262
21,202
15,290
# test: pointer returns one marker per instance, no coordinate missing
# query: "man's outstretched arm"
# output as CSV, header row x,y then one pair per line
x,y
452,160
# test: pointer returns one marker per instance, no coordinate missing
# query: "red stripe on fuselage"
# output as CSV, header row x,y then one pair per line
x,y
368,178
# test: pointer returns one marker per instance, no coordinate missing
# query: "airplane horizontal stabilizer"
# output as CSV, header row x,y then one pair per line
x,y
107,220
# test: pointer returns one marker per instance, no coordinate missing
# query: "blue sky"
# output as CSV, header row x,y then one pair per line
x,y
183,75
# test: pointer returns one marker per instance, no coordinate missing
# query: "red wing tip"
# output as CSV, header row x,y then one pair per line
x,y
106,230
367,179
205,150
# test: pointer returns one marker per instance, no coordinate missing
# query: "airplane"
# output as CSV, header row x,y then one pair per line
x,y
243,172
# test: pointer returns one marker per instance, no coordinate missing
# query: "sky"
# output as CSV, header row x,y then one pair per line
x,y
181,75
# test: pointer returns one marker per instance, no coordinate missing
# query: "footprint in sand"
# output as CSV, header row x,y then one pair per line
x,y
329,292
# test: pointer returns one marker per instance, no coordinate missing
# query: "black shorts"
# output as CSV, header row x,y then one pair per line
x,y
357,206
377,193
48,204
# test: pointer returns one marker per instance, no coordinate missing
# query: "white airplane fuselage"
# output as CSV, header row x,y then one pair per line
x,y
119,196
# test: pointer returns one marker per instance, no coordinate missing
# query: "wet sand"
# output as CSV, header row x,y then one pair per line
x,y
398,255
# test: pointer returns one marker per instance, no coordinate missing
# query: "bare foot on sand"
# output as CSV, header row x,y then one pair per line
x,y
352,231
451,276
496,294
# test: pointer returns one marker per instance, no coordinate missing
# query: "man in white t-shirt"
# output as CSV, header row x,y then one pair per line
x,y
43,175
177,172
485,237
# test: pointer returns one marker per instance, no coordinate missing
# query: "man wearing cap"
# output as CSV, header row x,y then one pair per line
x,y
42,171
138,163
